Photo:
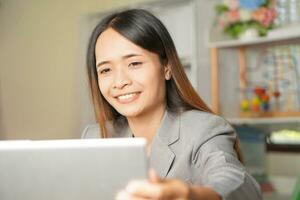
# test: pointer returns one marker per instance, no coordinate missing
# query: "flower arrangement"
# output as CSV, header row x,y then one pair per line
x,y
237,16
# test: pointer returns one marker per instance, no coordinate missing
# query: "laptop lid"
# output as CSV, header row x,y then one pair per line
x,y
94,169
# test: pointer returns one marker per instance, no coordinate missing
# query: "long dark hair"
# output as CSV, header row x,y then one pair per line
x,y
145,30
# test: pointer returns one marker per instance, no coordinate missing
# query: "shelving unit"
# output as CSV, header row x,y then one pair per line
x,y
263,120
281,34
284,35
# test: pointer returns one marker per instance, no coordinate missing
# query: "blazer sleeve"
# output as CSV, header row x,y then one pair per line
x,y
216,162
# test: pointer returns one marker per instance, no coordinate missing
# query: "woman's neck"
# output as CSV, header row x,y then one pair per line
x,y
147,125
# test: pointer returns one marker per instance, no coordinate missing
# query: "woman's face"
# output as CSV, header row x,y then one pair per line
x,y
130,78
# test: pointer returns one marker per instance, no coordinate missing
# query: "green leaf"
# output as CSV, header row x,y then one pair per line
x,y
221,8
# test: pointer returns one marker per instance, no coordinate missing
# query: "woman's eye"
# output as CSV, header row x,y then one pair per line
x,y
135,64
104,71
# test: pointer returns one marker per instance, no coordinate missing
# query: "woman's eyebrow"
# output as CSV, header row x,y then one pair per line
x,y
130,55
102,63
123,58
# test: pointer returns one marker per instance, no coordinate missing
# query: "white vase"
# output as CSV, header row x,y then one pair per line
x,y
249,34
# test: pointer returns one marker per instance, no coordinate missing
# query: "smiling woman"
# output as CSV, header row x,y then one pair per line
x,y
139,88
145,34
130,78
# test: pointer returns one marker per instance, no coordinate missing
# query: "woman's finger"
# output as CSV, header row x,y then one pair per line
x,y
153,177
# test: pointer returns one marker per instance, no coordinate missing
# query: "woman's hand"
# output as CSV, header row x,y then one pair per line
x,y
155,189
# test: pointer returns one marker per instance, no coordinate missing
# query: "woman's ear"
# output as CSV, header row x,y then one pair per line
x,y
168,72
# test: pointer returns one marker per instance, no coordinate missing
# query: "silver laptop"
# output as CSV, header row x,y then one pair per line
x,y
92,169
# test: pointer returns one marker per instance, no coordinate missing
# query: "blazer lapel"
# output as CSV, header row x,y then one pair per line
x,y
162,157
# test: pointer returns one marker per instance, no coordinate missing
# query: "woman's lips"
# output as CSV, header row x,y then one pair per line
x,y
128,98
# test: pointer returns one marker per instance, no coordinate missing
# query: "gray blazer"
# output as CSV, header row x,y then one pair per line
x,y
196,147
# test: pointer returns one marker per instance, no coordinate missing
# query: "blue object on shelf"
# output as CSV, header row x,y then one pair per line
x,y
251,4
253,146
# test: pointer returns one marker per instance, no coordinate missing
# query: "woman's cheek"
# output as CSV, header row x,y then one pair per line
x,y
104,85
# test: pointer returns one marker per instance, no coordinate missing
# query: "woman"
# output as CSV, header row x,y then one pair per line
x,y
139,88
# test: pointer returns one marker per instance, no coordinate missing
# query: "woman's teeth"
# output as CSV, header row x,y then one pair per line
x,y
126,96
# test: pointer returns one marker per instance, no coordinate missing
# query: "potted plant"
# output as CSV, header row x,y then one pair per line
x,y
245,19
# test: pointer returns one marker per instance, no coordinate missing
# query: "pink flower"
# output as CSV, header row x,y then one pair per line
x,y
233,16
264,16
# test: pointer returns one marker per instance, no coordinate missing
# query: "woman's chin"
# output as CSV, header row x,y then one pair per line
x,y
130,113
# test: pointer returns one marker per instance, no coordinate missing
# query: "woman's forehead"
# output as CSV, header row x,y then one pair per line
x,y
110,41
112,45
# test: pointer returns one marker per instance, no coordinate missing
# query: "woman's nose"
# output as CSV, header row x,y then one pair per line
x,y
121,80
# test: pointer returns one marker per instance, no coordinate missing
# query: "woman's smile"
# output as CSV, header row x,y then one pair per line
x,y
128,98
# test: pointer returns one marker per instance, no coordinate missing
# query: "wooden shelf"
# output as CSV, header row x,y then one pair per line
x,y
270,114
287,34
280,34
263,120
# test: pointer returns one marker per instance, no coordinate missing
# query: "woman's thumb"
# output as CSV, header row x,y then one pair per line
x,y
153,177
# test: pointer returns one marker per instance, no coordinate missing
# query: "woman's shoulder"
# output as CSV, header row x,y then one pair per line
x,y
200,121
202,117
91,131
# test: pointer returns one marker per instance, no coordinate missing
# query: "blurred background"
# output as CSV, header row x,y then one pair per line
x,y
44,89
241,56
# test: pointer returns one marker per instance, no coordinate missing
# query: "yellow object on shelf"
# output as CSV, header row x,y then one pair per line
x,y
245,106
285,137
